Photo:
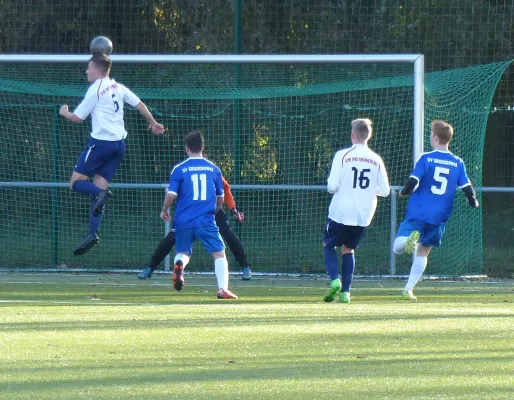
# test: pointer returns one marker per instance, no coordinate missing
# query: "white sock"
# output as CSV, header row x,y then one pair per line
x,y
399,244
417,269
182,257
221,271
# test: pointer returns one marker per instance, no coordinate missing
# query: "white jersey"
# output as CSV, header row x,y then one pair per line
x,y
357,177
104,101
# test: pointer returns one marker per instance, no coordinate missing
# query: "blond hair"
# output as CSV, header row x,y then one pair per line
x,y
443,130
362,128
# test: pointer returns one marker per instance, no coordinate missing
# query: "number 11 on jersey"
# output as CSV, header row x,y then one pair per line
x,y
202,191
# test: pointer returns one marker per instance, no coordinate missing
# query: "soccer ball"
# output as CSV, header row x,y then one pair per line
x,y
101,45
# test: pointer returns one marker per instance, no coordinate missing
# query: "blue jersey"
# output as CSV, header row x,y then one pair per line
x,y
197,183
438,174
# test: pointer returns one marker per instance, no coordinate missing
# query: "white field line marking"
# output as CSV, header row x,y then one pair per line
x,y
153,284
196,284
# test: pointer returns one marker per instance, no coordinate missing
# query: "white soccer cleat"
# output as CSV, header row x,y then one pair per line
x,y
408,295
225,294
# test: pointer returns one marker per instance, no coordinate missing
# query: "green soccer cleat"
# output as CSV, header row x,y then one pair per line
x,y
345,297
335,286
410,245
408,295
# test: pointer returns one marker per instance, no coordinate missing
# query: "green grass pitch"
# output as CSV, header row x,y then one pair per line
x,y
67,336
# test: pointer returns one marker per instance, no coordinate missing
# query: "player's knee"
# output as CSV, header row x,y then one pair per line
x,y
219,254
422,250
399,244
74,179
346,250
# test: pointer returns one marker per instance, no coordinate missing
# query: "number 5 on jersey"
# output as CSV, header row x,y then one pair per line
x,y
439,176
202,193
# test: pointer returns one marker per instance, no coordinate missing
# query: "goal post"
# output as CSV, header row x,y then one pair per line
x,y
272,124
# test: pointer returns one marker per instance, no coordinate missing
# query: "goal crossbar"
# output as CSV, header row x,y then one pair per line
x,y
218,58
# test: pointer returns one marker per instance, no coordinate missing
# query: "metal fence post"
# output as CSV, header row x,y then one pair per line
x,y
167,229
392,264
54,236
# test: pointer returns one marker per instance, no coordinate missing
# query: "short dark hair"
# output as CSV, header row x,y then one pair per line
x,y
103,62
194,141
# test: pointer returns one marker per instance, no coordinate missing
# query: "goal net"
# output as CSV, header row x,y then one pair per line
x,y
273,130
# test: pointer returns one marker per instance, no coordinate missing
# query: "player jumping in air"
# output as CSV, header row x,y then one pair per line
x,y
432,183
197,185
357,177
103,154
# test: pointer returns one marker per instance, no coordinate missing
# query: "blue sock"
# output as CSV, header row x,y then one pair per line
x,y
94,222
86,187
331,262
348,268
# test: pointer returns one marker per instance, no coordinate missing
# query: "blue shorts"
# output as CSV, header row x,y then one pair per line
x,y
209,235
429,235
100,157
337,235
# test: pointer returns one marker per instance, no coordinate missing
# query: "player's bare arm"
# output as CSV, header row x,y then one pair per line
x,y
168,201
63,111
219,203
157,128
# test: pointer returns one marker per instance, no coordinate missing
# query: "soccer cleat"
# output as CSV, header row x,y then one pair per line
x,y
408,295
86,244
345,297
335,287
145,274
101,201
410,244
178,276
247,273
225,294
